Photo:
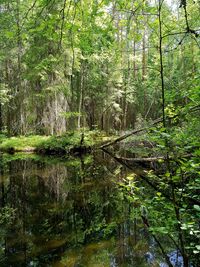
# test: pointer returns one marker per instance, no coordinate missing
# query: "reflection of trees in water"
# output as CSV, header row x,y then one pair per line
x,y
54,177
38,178
74,204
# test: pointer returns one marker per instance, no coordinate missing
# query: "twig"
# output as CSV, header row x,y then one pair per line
x,y
27,13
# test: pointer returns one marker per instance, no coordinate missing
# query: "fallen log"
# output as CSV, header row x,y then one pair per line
x,y
153,159
129,134
191,109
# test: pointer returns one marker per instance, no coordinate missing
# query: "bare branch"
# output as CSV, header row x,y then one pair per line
x,y
179,43
27,13
173,33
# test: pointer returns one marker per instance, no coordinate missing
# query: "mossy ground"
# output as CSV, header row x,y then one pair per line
x,y
51,144
21,142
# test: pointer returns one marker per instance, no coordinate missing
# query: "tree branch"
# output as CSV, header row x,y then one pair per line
x,y
62,24
27,13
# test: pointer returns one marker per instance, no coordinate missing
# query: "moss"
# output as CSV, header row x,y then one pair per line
x,y
21,143
69,143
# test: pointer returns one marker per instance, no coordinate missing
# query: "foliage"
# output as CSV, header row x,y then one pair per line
x,y
22,142
107,66
40,143
74,64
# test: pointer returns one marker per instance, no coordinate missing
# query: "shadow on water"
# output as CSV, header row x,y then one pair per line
x,y
72,212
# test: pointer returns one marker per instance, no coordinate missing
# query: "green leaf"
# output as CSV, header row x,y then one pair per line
x,y
197,207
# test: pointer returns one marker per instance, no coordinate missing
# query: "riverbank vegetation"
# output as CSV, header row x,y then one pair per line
x,y
119,76
66,144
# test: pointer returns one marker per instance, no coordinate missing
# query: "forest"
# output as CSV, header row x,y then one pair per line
x,y
99,133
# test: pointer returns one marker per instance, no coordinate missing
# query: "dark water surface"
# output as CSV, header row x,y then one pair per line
x,y
72,212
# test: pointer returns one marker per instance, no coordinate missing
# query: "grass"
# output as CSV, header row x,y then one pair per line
x,y
50,144
21,142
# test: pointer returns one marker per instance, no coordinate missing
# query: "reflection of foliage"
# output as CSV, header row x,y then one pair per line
x,y
7,215
71,203
60,202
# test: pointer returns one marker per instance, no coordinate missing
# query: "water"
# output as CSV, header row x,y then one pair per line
x,y
72,212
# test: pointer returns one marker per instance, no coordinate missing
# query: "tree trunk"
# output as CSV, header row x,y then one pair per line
x,y
144,56
80,98
1,118
161,63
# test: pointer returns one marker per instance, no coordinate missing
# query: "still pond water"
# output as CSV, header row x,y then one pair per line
x,y
73,212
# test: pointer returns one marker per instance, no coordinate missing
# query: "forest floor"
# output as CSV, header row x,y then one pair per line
x,y
69,143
